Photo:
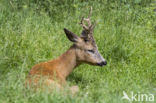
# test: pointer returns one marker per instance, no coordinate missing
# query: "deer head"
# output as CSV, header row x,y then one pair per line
x,y
85,46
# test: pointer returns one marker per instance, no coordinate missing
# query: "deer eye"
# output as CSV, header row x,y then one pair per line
x,y
86,40
91,51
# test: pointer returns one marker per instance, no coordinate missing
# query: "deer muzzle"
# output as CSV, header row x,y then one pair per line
x,y
103,63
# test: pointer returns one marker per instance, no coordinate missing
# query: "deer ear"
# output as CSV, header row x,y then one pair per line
x,y
71,36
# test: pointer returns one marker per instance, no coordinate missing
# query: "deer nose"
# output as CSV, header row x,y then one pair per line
x,y
102,63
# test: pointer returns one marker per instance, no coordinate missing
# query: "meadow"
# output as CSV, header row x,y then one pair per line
x,y
31,31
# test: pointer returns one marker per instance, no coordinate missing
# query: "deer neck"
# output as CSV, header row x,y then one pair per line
x,y
68,62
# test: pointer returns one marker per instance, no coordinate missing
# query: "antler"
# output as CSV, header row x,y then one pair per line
x,y
90,27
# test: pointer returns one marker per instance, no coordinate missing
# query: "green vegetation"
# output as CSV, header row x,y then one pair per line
x,y
31,31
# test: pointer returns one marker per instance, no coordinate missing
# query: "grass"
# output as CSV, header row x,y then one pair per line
x,y
125,35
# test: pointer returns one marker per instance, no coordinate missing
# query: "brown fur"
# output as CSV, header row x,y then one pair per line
x,y
58,68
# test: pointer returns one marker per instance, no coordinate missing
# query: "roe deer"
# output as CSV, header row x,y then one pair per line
x,y
83,50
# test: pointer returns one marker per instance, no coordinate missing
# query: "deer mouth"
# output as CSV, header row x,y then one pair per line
x,y
103,63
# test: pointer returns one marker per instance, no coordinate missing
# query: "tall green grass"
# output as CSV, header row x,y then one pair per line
x,y
32,31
